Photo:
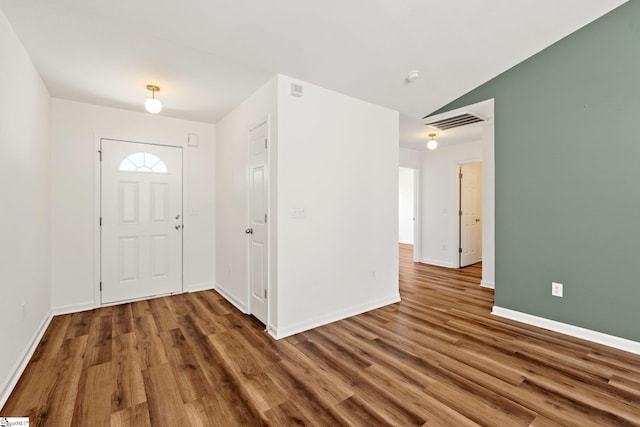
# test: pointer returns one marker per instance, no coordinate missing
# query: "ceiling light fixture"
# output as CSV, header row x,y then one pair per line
x,y
153,104
432,144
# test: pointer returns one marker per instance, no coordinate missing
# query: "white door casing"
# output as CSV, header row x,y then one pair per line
x,y
406,211
470,176
257,231
141,217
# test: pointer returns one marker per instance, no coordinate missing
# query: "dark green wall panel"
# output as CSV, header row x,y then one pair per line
x,y
567,147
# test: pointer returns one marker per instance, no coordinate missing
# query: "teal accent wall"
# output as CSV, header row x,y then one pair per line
x,y
567,170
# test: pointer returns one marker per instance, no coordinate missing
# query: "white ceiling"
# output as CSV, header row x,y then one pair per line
x,y
209,55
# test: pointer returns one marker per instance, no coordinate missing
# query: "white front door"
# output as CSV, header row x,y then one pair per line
x,y
258,206
141,217
470,214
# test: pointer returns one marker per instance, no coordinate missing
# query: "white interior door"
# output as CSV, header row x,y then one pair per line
x,y
258,205
470,213
141,217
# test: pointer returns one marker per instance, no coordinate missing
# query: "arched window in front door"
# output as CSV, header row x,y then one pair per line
x,y
143,162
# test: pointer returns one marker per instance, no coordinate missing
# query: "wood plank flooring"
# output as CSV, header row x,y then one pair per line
x,y
438,358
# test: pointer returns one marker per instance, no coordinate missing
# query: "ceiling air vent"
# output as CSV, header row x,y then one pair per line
x,y
454,122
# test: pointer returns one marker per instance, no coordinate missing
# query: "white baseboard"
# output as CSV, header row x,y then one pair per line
x,y
406,242
282,332
438,263
574,331
73,308
21,363
197,287
487,284
233,300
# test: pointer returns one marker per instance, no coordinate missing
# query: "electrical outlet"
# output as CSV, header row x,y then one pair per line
x,y
557,289
373,275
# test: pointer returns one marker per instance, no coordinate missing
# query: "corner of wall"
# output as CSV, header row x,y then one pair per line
x,y
23,360
332,317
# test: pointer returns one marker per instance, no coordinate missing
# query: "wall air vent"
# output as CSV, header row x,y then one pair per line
x,y
454,122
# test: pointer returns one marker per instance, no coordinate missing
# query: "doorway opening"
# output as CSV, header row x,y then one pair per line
x,y
408,209
469,214
439,223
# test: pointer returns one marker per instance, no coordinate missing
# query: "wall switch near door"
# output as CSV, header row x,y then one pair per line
x,y
557,289
299,212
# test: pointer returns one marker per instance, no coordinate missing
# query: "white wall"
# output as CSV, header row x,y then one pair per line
x,y
75,128
406,177
338,158
25,249
410,158
440,201
232,154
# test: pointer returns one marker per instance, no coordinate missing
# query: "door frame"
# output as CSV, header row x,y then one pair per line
x,y
417,214
458,235
97,196
270,221
485,109
417,211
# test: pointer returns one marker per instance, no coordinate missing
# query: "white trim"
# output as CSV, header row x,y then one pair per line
x,y
197,287
417,208
73,308
23,361
487,284
279,333
438,263
272,267
564,328
233,300
97,250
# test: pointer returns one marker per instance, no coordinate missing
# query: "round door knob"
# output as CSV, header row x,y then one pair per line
x,y
249,231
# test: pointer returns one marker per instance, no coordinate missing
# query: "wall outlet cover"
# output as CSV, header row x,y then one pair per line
x,y
557,289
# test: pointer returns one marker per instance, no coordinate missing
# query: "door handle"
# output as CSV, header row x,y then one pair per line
x,y
249,231
178,227
477,220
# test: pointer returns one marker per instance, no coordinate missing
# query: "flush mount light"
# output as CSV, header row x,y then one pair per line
x,y
412,76
432,144
153,104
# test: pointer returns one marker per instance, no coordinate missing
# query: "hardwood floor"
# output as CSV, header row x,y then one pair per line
x,y
438,358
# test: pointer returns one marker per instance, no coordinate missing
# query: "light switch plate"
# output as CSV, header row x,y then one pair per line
x,y
299,212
